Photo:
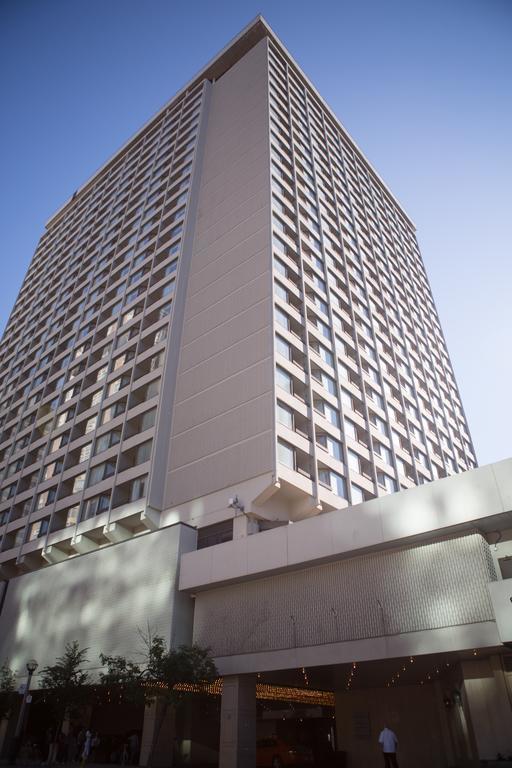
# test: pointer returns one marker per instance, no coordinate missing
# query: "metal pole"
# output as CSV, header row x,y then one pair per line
x,y
16,742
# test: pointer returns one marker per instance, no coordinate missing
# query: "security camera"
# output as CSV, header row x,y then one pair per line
x,y
234,503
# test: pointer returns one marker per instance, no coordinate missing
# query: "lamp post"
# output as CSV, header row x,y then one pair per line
x,y
31,665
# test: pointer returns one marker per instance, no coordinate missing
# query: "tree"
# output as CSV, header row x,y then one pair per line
x,y
161,675
66,683
7,690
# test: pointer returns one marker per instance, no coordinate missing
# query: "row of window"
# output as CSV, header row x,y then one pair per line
x,y
136,489
94,232
86,219
312,218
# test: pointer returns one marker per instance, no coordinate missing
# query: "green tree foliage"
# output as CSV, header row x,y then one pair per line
x,y
160,670
158,674
66,683
7,690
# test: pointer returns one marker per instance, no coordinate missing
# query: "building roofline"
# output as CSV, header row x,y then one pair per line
x,y
238,46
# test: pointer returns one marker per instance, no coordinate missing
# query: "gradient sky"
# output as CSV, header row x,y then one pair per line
x,y
423,86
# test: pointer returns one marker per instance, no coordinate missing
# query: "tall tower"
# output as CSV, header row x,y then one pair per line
x,y
233,307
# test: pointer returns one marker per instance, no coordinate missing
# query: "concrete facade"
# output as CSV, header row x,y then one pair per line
x,y
237,307
228,411
222,422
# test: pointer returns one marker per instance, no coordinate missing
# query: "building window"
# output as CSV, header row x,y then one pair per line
x,y
354,461
107,441
78,483
333,481
328,412
85,452
72,516
46,498
38,529
284,380
143,452
383,452
95,506
387,482
357,494
282,318
101,472
332,446
115,410
283,348
284,415
147,419
52,469
90,424
285,454
138,488
118,384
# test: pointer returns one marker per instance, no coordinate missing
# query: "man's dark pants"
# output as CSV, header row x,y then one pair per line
x,y
390,760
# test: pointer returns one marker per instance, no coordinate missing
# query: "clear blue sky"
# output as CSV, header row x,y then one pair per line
x,y
423,86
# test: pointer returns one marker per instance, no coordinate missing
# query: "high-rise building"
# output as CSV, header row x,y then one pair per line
x,y
229,329
236,293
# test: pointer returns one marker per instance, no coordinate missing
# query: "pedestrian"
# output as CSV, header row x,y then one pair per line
x,y
54,742
95,743
86,751
79,744
389,743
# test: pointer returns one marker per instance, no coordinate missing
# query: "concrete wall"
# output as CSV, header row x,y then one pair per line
x,y
477,500
161,443
223,416
100,599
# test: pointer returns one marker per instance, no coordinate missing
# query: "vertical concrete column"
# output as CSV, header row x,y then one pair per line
x,y
158,731
237,748
489,705
244,526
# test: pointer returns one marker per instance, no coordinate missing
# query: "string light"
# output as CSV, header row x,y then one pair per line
x,y
264,692
350,675
395,677
304,675
436,670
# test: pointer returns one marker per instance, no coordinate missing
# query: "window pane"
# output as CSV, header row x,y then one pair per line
x,y
283,348
284,415
285,454
284,380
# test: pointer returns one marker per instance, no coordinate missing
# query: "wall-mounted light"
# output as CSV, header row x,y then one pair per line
x,y
235,503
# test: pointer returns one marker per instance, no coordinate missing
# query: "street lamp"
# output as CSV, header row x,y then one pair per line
x,y
31,665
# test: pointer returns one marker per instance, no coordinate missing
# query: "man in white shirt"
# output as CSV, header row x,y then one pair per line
x,y
389,743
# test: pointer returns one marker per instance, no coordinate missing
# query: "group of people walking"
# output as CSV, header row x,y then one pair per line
x,y
83,745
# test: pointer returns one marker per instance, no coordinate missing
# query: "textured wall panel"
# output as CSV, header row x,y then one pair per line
x,y
436,585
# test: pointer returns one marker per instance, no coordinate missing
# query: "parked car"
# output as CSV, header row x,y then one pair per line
x,y
273,752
